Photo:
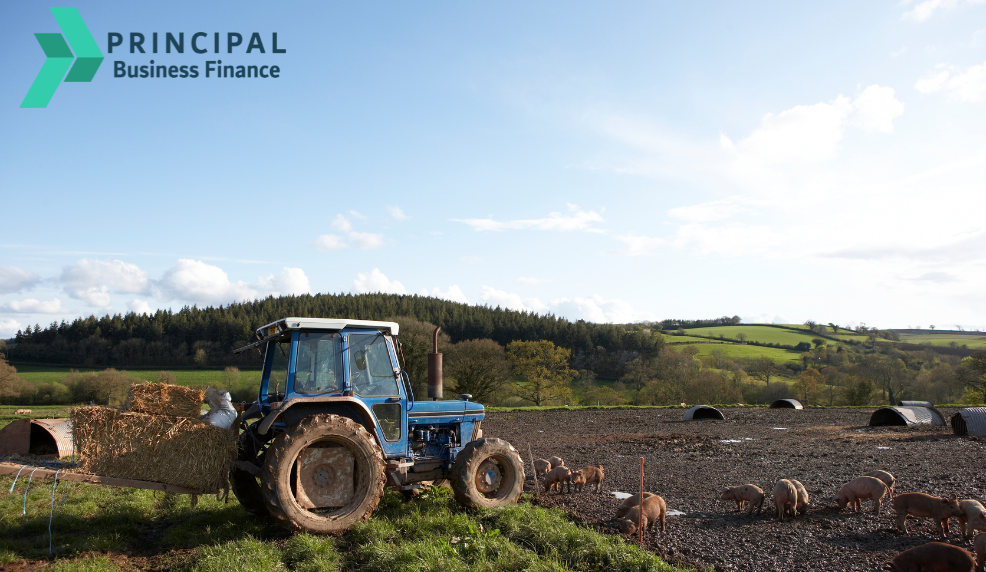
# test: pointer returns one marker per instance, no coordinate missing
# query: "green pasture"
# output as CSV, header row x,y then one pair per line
x,y
737,351
676,339
975,340
98,528
761,334
197,378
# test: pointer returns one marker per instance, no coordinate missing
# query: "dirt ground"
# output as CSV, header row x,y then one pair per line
x,y
690,463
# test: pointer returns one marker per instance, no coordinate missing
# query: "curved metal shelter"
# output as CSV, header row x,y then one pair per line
x,y
915,404
47,437
910,415
703,412
970,421
786,404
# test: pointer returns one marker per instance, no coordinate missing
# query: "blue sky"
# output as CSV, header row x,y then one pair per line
x,y
611,162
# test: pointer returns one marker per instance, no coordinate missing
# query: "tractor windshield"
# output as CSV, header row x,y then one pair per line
x,y
277,382
370,370
319,365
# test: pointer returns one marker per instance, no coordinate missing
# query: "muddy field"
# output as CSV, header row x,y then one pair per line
x,y
689,463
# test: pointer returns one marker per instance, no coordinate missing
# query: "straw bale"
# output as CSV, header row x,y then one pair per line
x,y
164,399
173,450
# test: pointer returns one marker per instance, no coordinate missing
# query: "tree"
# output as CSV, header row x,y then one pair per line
x,y
8,378
762,368
543,369
806,385
858,391
835,329
741,337
974,373
811,324
819,342
417,341
477,367
638,373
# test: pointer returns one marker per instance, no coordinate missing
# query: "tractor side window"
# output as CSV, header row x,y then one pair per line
x,y
319,363
389,418
371,372
278,380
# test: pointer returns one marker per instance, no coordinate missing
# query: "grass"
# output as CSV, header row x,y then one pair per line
x,y
761,334
975,340
736,351
95,526
197,378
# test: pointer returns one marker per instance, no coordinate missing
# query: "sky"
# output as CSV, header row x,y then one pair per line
x,y
612,162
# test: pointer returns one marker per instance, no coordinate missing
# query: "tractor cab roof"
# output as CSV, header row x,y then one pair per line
x,y
283,325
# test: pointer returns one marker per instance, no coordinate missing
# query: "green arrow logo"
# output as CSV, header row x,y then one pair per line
x,y
87,57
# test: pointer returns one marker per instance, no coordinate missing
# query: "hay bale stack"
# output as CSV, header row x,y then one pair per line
x,y
164,399
174,450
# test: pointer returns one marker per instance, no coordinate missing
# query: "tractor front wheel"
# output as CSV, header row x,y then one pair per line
x,y
323,475
487,473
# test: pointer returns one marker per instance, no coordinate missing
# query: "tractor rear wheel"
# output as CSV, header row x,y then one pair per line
x,y
245,483
298,475
487,473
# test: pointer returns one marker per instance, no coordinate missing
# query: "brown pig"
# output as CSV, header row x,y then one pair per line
x,y
933,557
556,462
654,508
749,495
785,496
861,488
980,544
541,467
802,506
594,475
926,506
557,478
577,481
973,517
884,476
630,502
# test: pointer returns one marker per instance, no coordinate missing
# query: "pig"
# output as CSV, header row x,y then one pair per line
x,y
980,544
541,467
577,481
654,508
921,505
630,502
785,496
973,517
749,495
594,475
861,488
22,412
933,557
884,476
557,478
556,462
802,506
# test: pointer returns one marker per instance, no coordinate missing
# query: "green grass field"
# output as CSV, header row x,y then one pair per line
x,y
761,334
683,339
975,340
737,351
109,529
198,378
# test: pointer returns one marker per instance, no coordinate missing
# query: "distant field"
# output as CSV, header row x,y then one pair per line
x,y
684,339
975,340
736,351
762,334
198,378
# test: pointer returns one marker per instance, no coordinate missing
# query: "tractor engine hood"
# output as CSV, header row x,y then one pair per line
x,y
445,412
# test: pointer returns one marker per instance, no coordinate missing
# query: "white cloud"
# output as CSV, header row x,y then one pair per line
x,y
9,327
396,213
329,242
532,280
196,281
356,214
453,294
493,297
376,281
968,85
140,307
640,245
765,319
597,309
712,210
92,280
13,280
575,219
366,240
926,9
32,306
341,223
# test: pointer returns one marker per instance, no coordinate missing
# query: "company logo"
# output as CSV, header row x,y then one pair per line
x,y
87,57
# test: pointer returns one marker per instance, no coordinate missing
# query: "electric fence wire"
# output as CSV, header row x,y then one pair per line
x,y
17,477
31,478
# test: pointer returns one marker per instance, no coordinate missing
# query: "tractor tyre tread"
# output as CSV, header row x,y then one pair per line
x,y
466,466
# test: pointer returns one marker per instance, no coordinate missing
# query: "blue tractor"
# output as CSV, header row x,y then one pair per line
x,y
336,421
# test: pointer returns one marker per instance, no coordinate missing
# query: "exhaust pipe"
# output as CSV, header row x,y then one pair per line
x,y
435,370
